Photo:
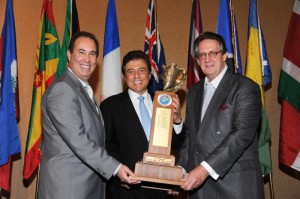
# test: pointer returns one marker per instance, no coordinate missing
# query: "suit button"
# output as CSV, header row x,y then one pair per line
x,y
218,133
196,153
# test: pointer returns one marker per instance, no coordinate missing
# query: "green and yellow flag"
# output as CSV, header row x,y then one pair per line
x,y
254,70
45,67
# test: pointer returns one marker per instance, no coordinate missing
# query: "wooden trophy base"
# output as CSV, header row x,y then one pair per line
x,y
158,173
160,169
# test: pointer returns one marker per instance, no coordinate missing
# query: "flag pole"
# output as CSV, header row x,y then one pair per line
x,y
156,27
231,8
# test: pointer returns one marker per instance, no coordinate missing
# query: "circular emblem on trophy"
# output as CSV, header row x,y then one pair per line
x,y
164,99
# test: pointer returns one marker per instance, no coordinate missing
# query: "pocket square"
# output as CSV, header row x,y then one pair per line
x,y
223,107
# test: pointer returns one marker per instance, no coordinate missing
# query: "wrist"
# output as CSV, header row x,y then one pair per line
x,y
177,122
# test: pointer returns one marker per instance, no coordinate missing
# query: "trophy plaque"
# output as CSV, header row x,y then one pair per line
x,y
158,165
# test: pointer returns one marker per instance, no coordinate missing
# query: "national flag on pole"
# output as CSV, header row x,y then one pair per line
x,y
9,135
194,74
224,29
45,68
266,69
289,92
154,49
71,27
254,72
111,70
236,48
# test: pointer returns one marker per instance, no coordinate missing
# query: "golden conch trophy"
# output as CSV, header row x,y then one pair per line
x,y
158,165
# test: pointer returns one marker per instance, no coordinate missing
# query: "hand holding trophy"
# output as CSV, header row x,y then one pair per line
x,y
158,165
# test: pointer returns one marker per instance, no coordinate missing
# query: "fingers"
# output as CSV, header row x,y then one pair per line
x,y
126,175
177,111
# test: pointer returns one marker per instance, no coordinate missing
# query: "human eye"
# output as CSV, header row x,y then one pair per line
x,y
129,72
142,70
93,53
213,54
202,55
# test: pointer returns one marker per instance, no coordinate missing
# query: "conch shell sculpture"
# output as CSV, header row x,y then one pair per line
x,y
173,77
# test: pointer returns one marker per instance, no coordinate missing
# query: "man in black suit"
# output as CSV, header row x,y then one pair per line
x,y
125,138
220,151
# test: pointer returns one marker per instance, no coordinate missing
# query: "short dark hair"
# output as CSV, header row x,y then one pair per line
x,y
213,36
135,54
83,34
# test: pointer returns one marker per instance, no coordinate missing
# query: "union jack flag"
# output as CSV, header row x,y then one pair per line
x,y
154,49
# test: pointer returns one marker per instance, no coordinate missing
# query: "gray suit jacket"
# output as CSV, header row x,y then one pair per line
x,y
74,161
226,138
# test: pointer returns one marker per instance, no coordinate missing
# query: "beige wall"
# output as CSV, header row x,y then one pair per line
x,y
173,21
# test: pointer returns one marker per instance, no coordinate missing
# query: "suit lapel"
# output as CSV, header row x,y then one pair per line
x,y
129,109
81,90
217,99
198,104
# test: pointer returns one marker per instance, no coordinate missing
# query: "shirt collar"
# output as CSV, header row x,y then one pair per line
x,y
134,95
84,84
215,82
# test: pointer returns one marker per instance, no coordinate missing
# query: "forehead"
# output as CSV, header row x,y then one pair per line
x,y
136,63
85,43
209,44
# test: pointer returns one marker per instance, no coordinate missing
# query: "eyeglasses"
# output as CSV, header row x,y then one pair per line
x,y
211,54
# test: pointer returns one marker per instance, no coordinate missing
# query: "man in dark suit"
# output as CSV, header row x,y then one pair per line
x,y
126,140
220,151
74,162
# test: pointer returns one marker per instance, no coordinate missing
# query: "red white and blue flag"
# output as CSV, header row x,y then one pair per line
x,y
111,71
154,49
194,73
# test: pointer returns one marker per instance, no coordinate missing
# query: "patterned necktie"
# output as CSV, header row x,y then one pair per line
x,y
208,93
145,117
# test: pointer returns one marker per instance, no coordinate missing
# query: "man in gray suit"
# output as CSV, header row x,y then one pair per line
x,y
221,150
75,163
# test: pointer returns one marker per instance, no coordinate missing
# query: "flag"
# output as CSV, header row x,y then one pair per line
x,y
154,49
194,74
9,135
71,27
236,48
266,69
289,92
111,71
45,68
224,29
254,72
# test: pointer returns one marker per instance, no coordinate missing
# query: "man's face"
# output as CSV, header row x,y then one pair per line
x,y
83,59
137,76
211,66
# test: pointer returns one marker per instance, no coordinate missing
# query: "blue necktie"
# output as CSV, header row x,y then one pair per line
x,y
145,117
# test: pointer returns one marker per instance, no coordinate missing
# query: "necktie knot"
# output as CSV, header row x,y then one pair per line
x,y
145,117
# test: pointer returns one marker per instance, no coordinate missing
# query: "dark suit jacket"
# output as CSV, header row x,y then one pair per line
x,y
226,138
74,161
127,142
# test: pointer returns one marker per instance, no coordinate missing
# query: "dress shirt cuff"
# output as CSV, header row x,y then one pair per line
x,y
178,127
116,171
210,170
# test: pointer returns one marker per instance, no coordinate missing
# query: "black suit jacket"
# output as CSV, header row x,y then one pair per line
x,y
125,137
226,138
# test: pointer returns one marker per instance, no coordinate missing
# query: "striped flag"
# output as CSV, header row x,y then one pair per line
x,y
154,49
111,71
289,92
236,47
194,74
9,135
254,72
45,68
224,29
71,27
